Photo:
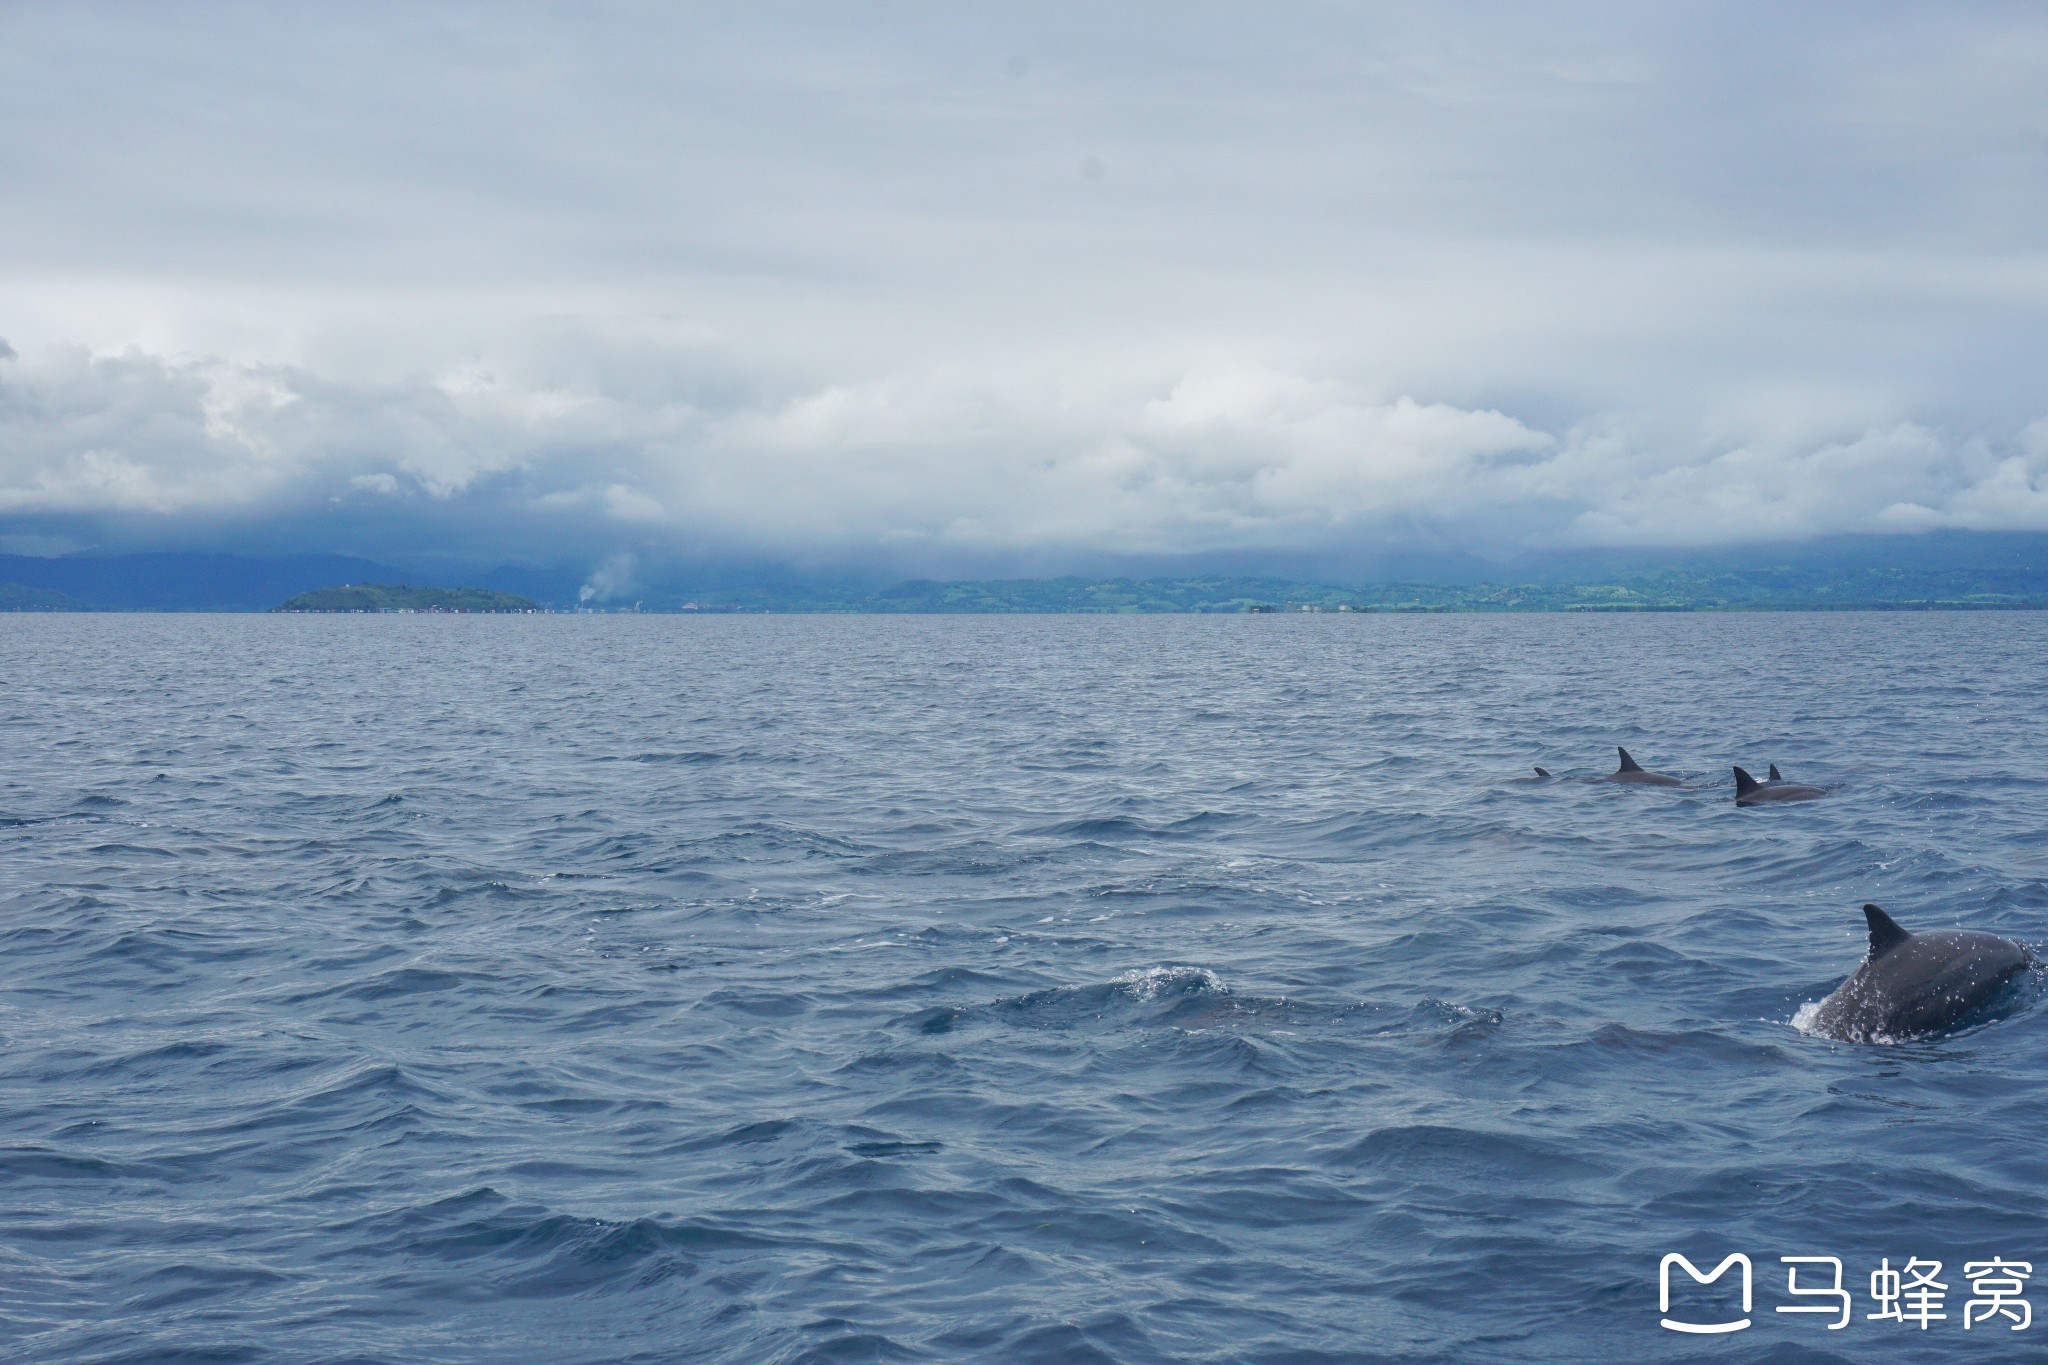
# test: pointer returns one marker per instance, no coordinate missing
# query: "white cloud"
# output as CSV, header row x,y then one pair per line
x,y
630,504
1154,459
1897,478
786,276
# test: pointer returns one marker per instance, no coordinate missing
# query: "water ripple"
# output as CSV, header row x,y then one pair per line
x,y
1041,989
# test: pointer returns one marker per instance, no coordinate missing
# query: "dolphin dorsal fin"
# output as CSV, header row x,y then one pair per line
x,y
1775,775
1885,933
1543,772
1628,765
1744,784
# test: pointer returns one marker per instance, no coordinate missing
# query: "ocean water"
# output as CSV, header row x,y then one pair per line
x,y
1011,989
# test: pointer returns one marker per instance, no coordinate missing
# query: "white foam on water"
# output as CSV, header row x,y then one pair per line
x,y
1803,1019
1145,983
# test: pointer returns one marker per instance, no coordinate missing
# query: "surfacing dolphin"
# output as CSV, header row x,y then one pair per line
x,y
1631,771
1750,792
1917,983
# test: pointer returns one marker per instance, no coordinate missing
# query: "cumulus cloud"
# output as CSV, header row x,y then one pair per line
x,y
1207,458
1160,459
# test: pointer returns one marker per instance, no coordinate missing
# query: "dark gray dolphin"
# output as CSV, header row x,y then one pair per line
x,y
1543,772
1750,792
1775,776
1916,983
1630,771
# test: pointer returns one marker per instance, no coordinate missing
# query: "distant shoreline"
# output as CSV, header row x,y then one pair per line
x,y
1717,609
2017,581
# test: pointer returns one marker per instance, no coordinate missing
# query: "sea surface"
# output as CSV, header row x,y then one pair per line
x,y
775,989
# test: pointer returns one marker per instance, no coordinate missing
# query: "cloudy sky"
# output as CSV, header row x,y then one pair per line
x,y
979,284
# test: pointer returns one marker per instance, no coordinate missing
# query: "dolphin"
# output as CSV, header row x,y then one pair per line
x,y
1543,772
1750,792
1775,776
1629,771
1917,983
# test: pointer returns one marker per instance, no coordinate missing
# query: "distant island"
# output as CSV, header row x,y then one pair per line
x,y
1981,571
403,597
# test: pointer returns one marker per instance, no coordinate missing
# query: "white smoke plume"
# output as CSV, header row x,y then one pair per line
x,y
608,581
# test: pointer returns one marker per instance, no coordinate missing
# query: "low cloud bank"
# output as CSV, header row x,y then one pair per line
x,y
1160,459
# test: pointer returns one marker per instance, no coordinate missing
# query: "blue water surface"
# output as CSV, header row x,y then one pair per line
x,y
1024,989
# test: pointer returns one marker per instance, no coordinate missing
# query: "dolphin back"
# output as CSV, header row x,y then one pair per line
x,y
1914,984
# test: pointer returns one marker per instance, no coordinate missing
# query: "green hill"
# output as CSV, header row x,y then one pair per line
x,y
402,597
15,597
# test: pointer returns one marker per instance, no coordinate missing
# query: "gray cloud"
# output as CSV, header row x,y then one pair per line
x,y
790,278
1149,460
